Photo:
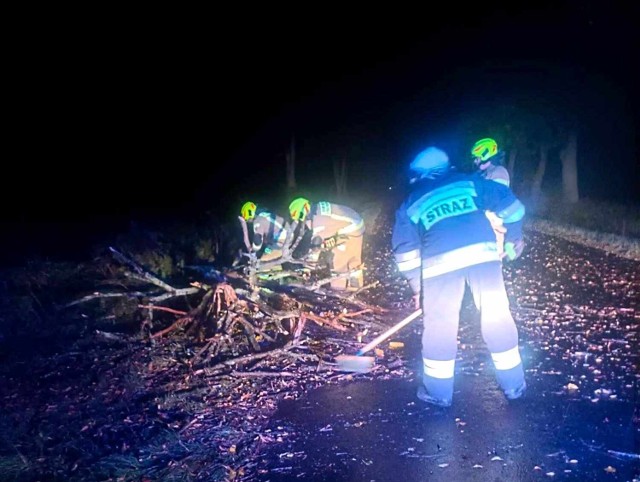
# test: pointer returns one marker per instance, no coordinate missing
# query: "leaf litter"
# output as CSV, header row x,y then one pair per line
x,y
117,402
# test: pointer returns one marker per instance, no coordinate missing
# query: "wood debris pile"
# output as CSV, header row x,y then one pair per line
x,y
177,381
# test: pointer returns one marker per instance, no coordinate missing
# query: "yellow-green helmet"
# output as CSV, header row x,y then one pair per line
x,y
484,149
248,211
299,208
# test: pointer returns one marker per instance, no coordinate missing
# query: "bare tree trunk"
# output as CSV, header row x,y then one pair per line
x,y
511,165
340,176
536,185
291,166
568,156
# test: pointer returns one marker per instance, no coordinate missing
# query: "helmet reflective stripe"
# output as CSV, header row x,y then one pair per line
x,y
248,211
484,149
299,208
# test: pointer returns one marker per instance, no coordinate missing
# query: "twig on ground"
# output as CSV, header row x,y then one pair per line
x,y
163,308
364,288
149,278
104,295
302,320
323,321
250,332
257,330
263,374
177,324
211,371
111,336
180,292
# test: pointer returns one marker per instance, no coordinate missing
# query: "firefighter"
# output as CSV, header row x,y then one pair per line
x,y
269,231
442,241
488,160
337,230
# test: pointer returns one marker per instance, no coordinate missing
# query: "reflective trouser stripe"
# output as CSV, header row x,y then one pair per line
x,y
438,368
507,360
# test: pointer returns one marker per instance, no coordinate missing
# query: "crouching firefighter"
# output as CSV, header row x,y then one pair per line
x,y
268,231
336,229
442,241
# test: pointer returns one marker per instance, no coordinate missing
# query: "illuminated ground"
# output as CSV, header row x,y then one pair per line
x,y
84,407
578,314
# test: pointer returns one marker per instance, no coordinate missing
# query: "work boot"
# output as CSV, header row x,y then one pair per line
x,y
425,397
516,393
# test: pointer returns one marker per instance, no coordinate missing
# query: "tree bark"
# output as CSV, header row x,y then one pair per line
x,y
568,156
340,176
536,185
513,154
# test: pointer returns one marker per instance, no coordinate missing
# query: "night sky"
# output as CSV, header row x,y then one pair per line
x,y
147,117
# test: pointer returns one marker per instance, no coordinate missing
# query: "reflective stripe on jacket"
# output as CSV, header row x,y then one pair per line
x,y
268,229
497,174
328,219
442,224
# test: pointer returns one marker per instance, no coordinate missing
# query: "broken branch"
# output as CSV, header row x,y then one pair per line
x,y
163,308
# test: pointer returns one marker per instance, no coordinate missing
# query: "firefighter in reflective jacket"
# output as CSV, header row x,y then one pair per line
x,y
269,231
441,241
337,229
488,160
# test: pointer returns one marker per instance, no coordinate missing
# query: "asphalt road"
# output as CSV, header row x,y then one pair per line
x,y
578,312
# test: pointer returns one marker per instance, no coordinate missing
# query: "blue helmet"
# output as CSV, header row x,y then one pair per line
x,y
430,163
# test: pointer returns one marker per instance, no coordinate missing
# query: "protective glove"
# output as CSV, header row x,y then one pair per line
x,y
513,249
